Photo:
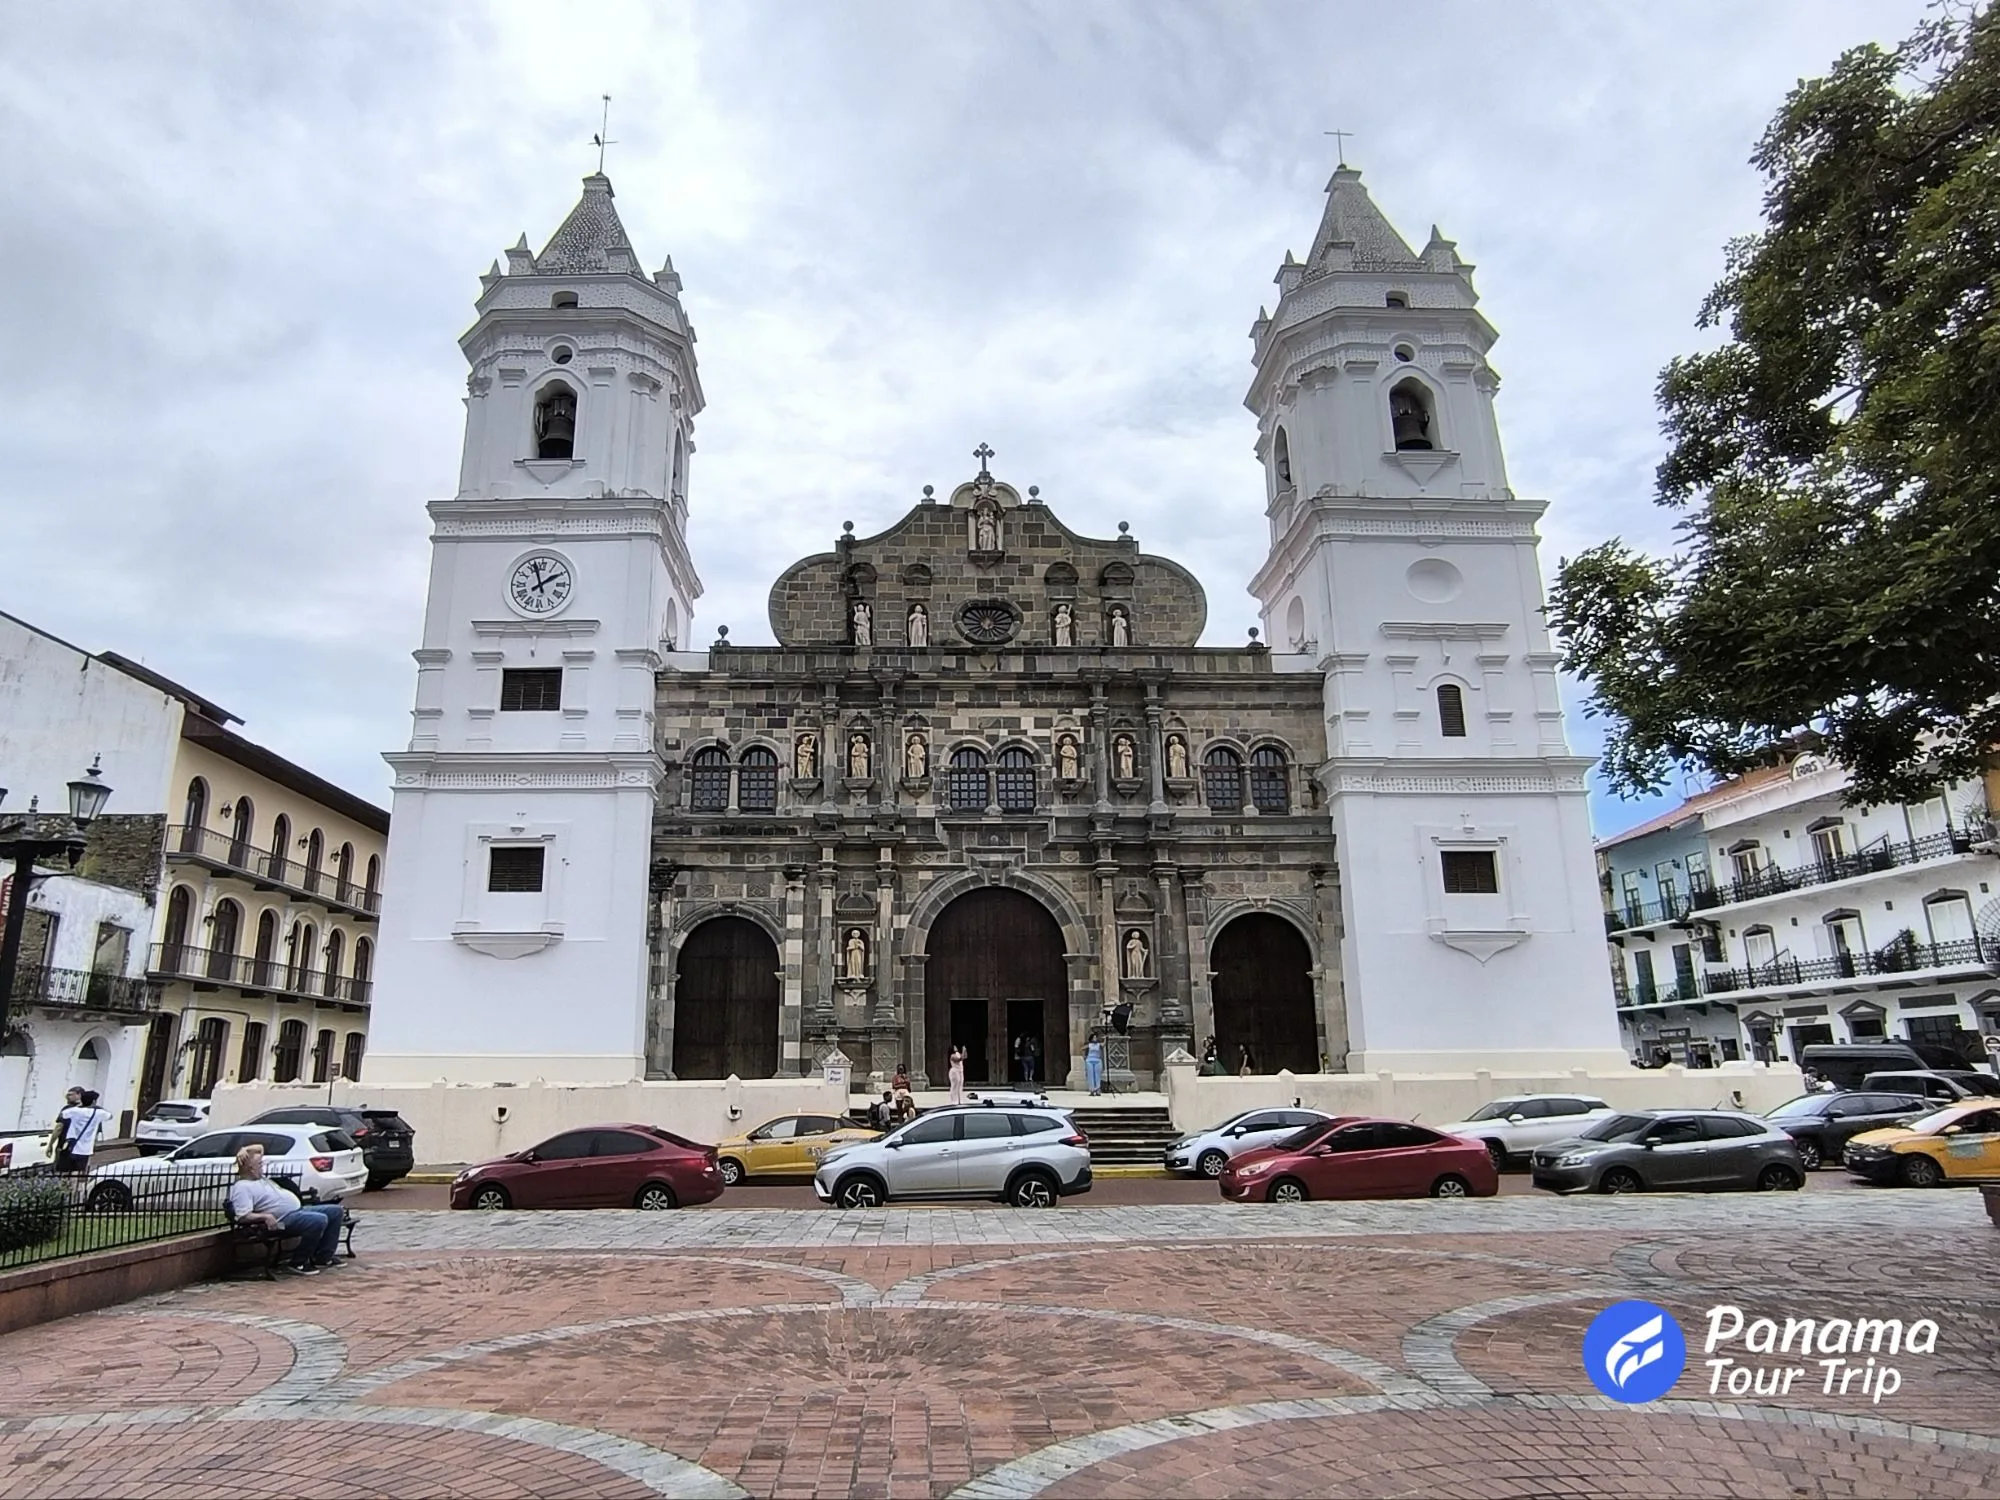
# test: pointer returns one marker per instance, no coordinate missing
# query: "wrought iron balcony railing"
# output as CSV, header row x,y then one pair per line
x,y
1897,958
220,850
245,972
82,990
1890,854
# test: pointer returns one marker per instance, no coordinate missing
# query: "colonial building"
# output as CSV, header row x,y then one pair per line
x,y
987,790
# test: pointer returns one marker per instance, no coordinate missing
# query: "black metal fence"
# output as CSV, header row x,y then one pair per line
x,y
46,1216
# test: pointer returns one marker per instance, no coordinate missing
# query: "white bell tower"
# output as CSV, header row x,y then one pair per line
x,y
513,940
1401,560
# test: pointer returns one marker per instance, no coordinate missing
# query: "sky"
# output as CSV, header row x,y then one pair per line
x,y
240,242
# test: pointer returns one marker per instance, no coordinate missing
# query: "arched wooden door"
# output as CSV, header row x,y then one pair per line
x,y
994,975
1264,995
726,1002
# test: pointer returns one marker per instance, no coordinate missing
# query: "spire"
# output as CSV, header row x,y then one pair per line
x,y
1354,225
590,239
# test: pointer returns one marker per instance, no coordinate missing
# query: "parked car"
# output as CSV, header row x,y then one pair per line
x,y
789,1146
1941,1085
1208,1151
597,1166
1030,1158
169,1124
319,1163
1959,1143
1679,1150
1349,1158
25,1151
1512,1127
1822,1124
1019,1096
384,1136
1846,1064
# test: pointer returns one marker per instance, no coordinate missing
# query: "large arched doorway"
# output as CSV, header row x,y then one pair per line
x,y
726,1002
1264,995
995,974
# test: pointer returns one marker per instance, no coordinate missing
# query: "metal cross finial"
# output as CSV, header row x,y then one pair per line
x,y
1339,143
982,453
603,136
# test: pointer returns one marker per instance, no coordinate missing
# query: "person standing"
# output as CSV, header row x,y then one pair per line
x,y
82,1123
955,1075
1247,1065
1093,1065
1031,1061
255,1200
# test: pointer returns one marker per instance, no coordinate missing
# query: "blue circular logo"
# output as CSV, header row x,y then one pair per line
x,y
1634,1352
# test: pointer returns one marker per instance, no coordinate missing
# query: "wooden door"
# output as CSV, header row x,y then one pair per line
x,y
159,1050
726,1002
995,946
1264,996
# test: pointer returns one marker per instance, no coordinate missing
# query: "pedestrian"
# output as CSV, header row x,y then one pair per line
x,y
955,1075
1211,1059
1021,1057
81,1124
883,1115
1093,1065
255,1200
1033,1059
1246,1066
71,1099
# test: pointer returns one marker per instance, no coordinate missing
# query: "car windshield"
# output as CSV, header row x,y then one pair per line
x,y
1616,1128
1299,1140
174,1112
675,1140
1805,1104
1936,1120
1499,1109
1225,1124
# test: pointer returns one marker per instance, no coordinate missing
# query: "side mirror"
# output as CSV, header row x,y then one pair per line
x,y
894,1145
1648,1143
1515,1119
1952,1130
530,1155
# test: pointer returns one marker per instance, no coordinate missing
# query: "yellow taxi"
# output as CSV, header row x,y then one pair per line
x,y
1959,1143
789,1146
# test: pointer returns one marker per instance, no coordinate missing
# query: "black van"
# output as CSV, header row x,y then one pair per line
x,y
1845,1064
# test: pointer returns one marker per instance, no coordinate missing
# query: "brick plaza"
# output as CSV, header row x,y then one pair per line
x,y
1173,1350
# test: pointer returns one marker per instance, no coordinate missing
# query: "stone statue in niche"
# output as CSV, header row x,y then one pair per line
x,y
1063,625
1177,760
1135,954
1125,756
1121,626
855,962
864,623
916,756
1069,759
805,756
857,754
920,625
985,532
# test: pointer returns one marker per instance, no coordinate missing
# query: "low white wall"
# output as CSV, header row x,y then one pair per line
x,y
1441,1098
469,1122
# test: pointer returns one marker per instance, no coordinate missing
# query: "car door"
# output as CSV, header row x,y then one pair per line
x,y
1345,1163
815,1139
1264,1127
924,1158
772,1149
556,1176
1973,1152
1401,1164
1675,1153
987,1151
1734,1148
619,1165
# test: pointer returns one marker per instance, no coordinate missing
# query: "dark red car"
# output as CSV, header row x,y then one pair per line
x,y
1350,1158
597,1166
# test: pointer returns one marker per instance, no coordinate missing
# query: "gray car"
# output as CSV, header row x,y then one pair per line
x,y
1027,1157
1671,1150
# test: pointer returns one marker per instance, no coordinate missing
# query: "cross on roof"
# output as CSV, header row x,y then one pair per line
x,y
1339,143
603,136
982,453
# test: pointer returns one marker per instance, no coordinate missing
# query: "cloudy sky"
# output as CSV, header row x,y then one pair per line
x,y
240,242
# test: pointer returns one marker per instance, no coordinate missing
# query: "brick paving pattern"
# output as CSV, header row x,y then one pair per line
x,y
1364,1349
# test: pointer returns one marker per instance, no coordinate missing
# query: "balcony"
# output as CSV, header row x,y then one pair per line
x,y
1889,854
1647,995
81,992
205,966
1635,915
269,870
1782,972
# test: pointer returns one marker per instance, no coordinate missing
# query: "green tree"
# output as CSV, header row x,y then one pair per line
x,y
1836,460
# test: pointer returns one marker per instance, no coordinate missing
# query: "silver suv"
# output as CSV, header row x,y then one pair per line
x,y
1027,1157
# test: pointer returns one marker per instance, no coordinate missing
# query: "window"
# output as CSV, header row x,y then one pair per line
x,y
1451,711
1684,971
364,965
1667,878
757,781
343,873
965,783
250,1062
530,690
1934,1031
298,967
619,1143
570,1147
1470,872
1016,778
1035,1124
225,926
173,940
323,1058
1281,453
1642,968
1674,1132
987,1127
1950,915
1748,861
1862,1028
1396,299
336,952
555,422
350,1055
1270,786
1222,779
1410,416
291,1048
205,1068
778,1130
281,847
114,945
193,815
708,781
563,299
1390,1136
372,887
932,1132
1729,1127
267,949
1760,948
315,853
1829,844
239,836
1697,870
514,867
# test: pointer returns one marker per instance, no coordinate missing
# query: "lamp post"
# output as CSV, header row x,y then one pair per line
x,y
19,843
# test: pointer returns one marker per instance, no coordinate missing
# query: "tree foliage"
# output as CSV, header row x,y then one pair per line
x,y
1836,460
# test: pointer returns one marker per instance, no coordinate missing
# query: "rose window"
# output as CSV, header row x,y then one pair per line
x,y
988,622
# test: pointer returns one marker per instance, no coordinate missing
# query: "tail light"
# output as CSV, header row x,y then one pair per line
x,y
361,1132
321,1163
1079,1139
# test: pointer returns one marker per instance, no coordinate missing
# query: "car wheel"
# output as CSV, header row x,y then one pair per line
x,y
1211,1163
1451,1187
859,1192
655,1196
1033,1190
1620,1180
1809,1156
376,1183
1922,1172
732,1171
1498,1153
1287,1190
1778,1178
491,1197
109,1197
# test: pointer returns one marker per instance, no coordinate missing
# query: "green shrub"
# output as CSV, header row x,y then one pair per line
x,y
32,1209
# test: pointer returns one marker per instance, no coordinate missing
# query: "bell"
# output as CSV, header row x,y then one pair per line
x,y
555,426
1409,421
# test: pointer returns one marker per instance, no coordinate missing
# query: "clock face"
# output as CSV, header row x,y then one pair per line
x,y
541,584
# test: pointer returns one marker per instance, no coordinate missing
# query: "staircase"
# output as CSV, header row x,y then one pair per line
x,y
1126,1137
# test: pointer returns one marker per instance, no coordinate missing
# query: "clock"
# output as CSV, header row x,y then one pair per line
x,y
541,583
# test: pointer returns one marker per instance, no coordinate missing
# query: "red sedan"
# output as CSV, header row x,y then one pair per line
x,y
599,1166
1361,1159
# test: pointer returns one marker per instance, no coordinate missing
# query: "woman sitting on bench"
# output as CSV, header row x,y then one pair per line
x,y
253,1200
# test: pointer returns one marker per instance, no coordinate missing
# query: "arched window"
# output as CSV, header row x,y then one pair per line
x,y
224,928
1281,457
555,421
1270,782
336,953
315,856
1222,777
194,815
350,1055
205,1067
266,952
708,780
757,780
173,939
343,872
299,970
250,1062
1451,711
363,971
281,848
1016,779
239,837
323,1057
291,1051
563,299
965,783
1410,417
680,470
1396,299
371,889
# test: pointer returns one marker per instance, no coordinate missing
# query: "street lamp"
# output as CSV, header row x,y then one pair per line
x,y
19,843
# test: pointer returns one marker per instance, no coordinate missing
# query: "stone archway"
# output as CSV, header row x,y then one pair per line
x,y
994,971
1263,990
726,1001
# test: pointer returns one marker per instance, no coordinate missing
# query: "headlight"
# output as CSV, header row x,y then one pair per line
x,y
1574,1159
1254,1168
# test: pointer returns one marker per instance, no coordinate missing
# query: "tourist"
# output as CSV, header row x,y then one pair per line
x,y
254,1200
1031,1060
1211,1059
883,1115
80,1123
1093,1065
1247,1065
955,1075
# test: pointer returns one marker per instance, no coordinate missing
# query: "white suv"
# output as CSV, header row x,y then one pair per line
x,y
1512,1127
1027,1157
169,1124
1209,1151
317,1162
